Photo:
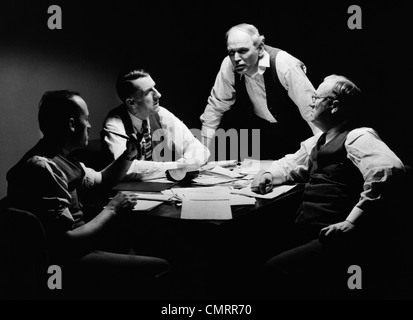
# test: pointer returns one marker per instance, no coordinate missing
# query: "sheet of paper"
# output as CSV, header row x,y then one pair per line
x,y
241,200
146,205
208,180
215,192
208,203
226,172
276,191
206,209
153,196
253,166
223,163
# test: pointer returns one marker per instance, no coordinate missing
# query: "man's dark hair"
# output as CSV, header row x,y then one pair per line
x,y
124,86
55,109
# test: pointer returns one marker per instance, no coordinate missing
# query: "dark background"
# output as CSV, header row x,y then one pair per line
x,y
181,43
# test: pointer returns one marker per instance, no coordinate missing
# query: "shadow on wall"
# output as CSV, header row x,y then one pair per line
x,y
25,76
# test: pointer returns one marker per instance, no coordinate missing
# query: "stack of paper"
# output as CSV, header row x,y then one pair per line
x,y
207,204
210,193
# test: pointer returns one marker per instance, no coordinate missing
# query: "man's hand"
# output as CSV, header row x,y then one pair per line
x,y
262,182
123,202
336,230
131,147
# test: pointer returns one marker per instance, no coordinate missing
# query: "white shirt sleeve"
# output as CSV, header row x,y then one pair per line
x,y
293,166
190,150
91,177
191,153
116,144
375,161
292,75
221,99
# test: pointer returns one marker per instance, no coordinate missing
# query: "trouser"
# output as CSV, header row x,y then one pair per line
x,y
107,275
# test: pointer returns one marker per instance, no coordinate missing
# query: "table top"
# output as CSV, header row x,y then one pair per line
x,y
171,210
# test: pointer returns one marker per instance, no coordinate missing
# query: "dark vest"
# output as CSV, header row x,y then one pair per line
x,y
122,113
334,185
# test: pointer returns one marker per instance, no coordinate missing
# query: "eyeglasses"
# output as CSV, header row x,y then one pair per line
x,y
315,97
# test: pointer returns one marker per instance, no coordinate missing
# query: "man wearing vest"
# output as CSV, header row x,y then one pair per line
x,y
347,170
164,141
259,87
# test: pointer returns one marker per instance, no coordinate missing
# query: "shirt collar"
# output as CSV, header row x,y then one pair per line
x,y
136,122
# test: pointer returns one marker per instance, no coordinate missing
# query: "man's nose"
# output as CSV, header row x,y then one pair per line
x,y
237,57
157,94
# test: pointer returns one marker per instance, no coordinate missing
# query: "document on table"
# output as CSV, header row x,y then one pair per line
x,y
208,180
146,205
253,166
210,204
276,191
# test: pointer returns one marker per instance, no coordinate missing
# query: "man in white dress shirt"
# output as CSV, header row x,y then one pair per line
x,y
259,87
348,171
171,143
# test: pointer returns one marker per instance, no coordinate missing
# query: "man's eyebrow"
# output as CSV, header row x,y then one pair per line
x,y
148,90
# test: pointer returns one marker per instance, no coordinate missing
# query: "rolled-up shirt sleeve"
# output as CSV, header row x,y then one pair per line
x,y
115,143
50,195
91,178
220,100
375,160
292,74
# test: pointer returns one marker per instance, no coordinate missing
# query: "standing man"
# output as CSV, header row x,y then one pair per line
x,y
165,142
264,88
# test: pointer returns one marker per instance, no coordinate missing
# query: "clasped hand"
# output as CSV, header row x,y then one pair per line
x,y
262,182
123,201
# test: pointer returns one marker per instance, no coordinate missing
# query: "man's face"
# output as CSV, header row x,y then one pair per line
x,y
243,53
82,124
145,100
322,103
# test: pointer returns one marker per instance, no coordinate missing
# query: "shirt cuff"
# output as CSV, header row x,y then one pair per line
x,y
354,215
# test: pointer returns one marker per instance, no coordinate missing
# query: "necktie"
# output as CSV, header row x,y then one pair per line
x,y
321,141
147,144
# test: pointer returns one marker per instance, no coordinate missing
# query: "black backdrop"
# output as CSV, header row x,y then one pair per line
x,y
182,44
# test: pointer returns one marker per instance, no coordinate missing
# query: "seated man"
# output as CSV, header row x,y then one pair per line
x,y
48,182
162,137
346,169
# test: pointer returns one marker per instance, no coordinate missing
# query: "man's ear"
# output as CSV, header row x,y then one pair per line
x,y
260,49
129,102
72,124
335,106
